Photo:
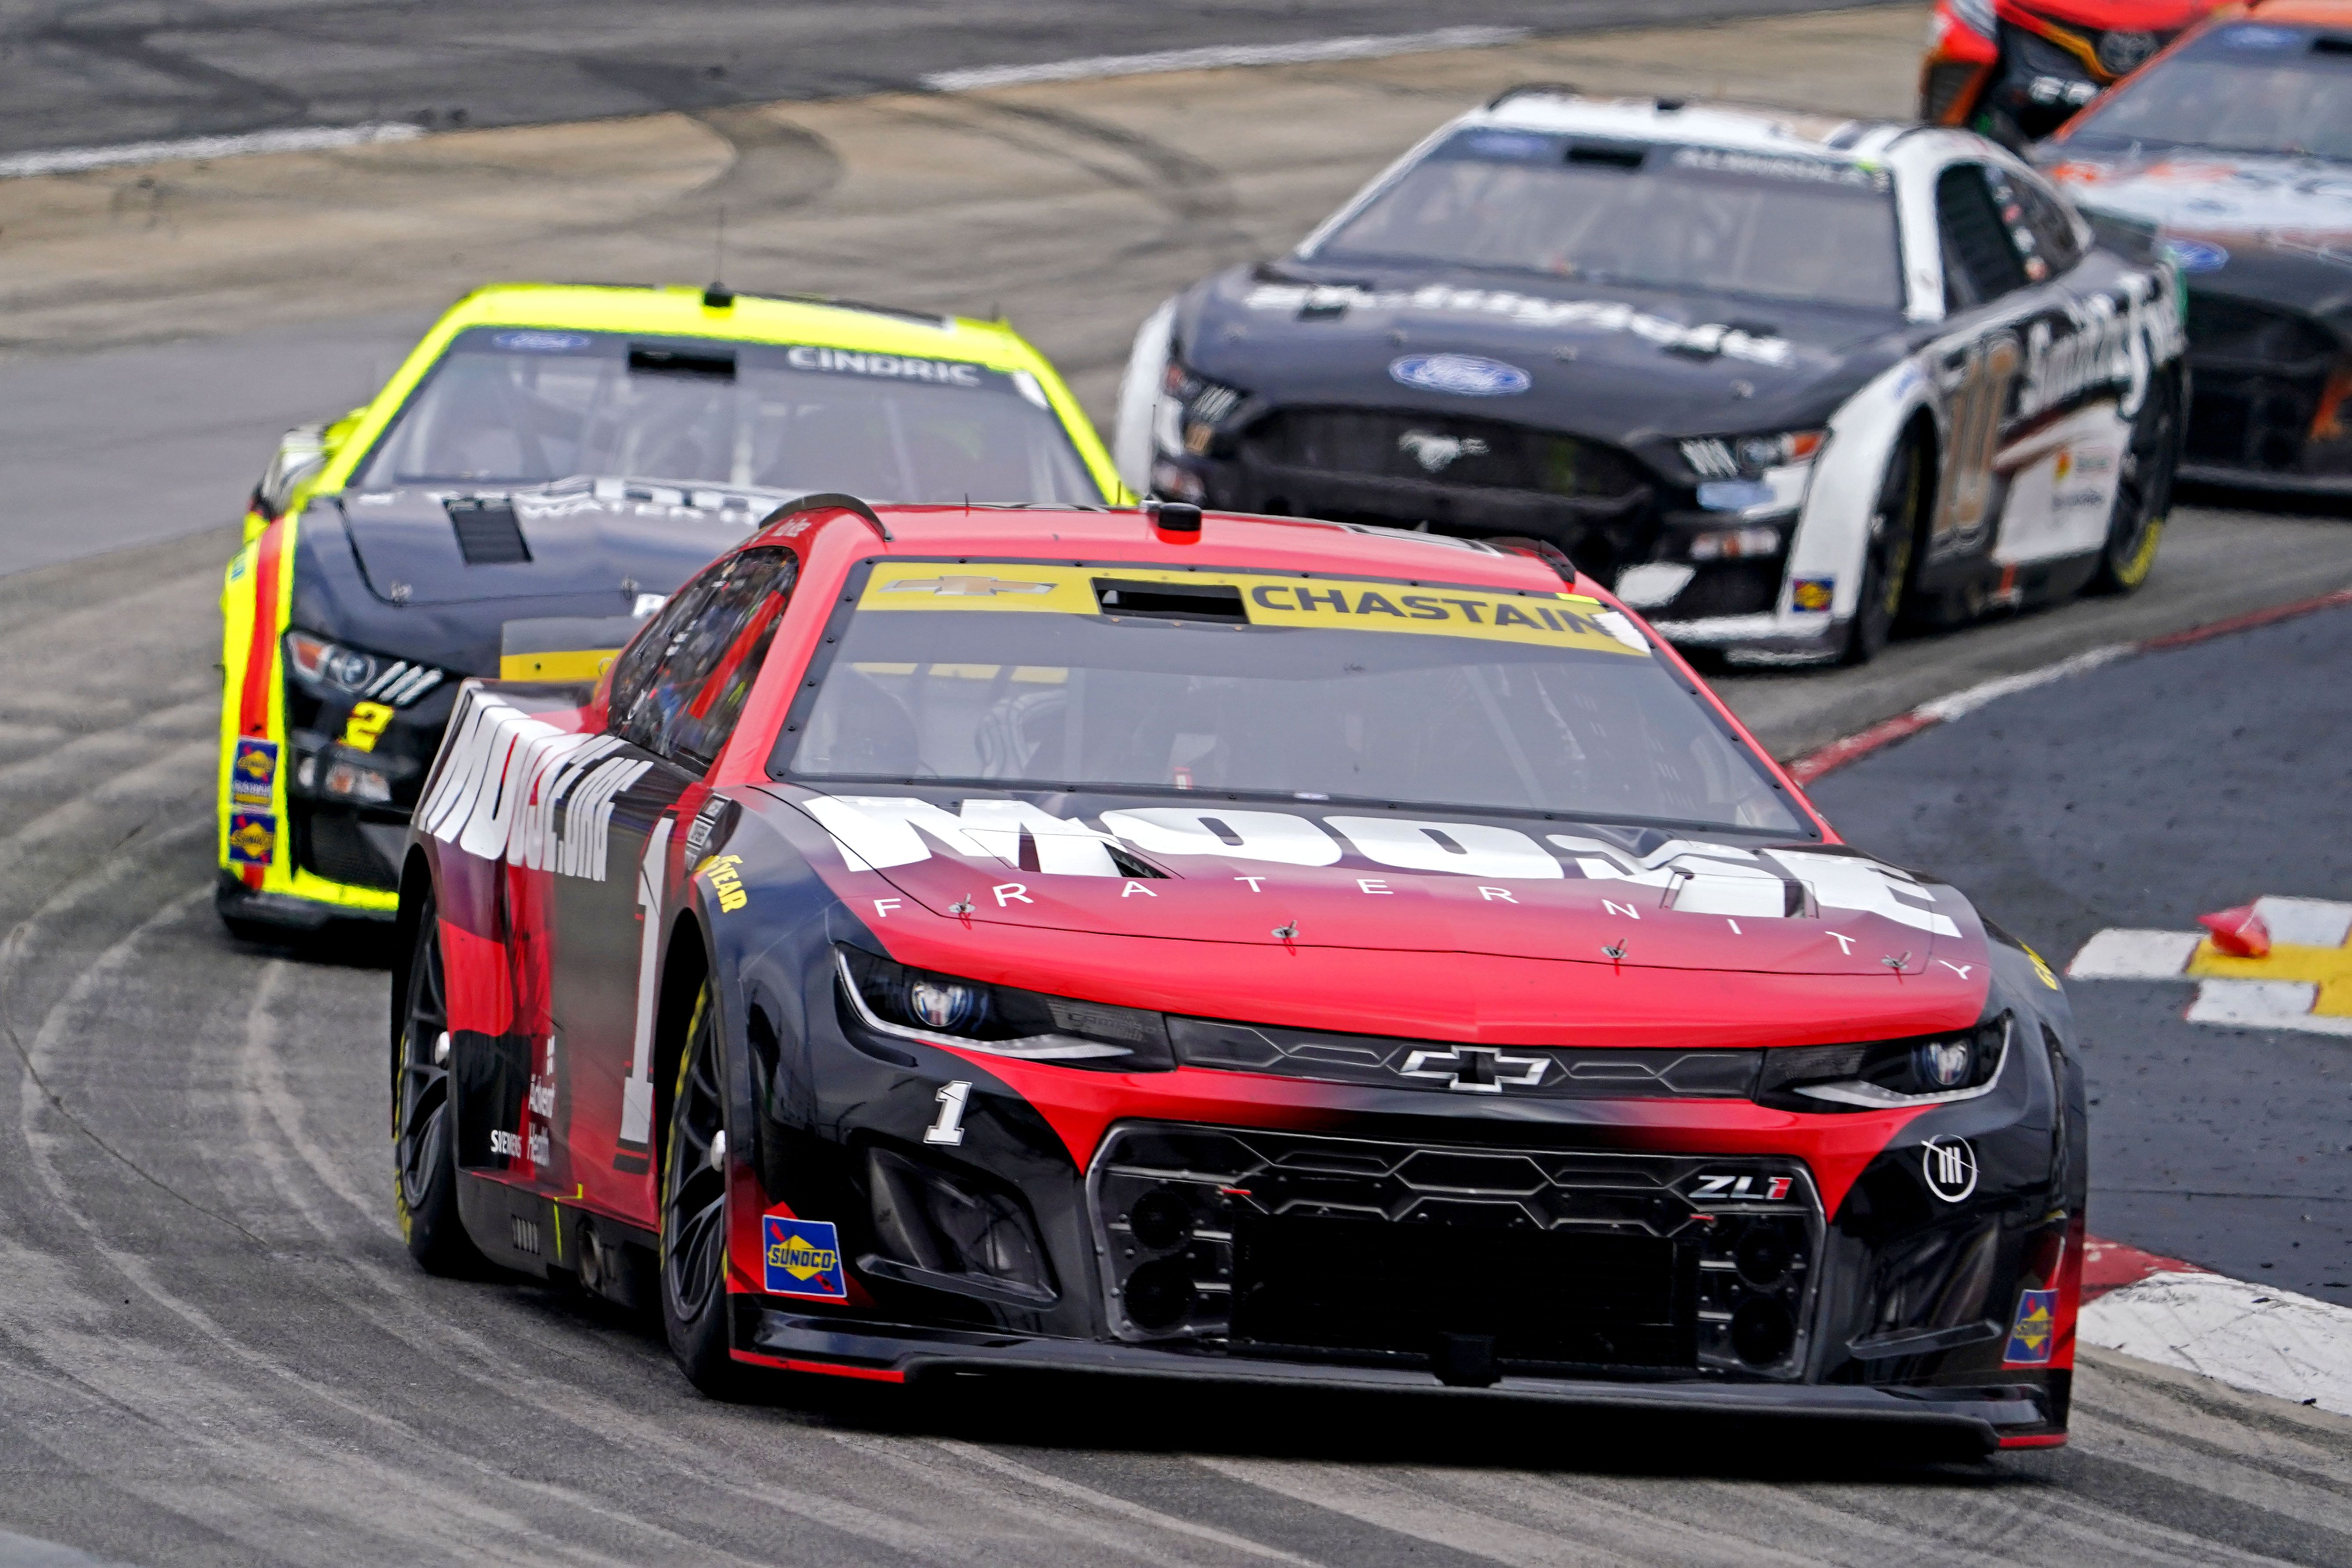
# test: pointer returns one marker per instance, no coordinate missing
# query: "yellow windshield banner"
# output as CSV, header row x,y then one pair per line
x,y
1548,620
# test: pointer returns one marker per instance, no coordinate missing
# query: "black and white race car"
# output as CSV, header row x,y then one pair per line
x,y
1782,387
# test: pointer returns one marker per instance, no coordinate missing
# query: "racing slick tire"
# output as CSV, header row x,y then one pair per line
x,y
1887,553
2143,491
424,1154
694,1212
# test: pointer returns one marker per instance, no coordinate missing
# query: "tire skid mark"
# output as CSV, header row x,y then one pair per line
x,y
1384,1499
1046,1480
413,1323
268,1461
261,1077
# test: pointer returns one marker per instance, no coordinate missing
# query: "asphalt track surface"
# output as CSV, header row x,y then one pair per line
x,y
103,74
2142,795
213,1348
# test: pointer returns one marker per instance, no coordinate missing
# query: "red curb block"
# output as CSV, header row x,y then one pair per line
x,y
2112,1265
1854,747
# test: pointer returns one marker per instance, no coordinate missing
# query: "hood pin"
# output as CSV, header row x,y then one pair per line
x,y
1616,952
1896,960
961,908
1286,933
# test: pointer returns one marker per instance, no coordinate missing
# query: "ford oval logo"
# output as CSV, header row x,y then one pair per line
x,y
1463,375
2196,255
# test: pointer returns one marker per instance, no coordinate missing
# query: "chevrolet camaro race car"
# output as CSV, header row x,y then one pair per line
x,y
1780,389
2237,146
548,464
2014,70
956,939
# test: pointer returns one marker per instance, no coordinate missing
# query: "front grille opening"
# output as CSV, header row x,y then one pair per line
x,y
1542,1297
330,844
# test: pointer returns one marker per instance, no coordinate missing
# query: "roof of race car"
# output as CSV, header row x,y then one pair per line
x,y
1724,126
681,311
1225,540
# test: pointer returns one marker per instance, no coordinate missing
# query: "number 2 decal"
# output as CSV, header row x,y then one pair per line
x,y
1977,404
949,1128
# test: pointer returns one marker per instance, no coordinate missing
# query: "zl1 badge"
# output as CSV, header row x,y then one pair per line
x,y
253,773
803,1258
252,837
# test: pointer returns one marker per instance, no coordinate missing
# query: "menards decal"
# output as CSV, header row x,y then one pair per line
x,y
515,788
1550,620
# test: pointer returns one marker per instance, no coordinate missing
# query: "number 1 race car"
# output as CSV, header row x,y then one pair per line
x,y
546,465
961,939
1780,389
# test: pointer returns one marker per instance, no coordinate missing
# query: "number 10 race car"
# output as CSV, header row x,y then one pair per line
x,y
955,939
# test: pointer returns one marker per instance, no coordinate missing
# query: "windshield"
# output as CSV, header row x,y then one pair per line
x,y
1660,217
2247,88
1249,684
514,406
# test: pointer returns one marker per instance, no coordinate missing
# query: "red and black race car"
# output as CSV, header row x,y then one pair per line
x,y
955,939
2015,69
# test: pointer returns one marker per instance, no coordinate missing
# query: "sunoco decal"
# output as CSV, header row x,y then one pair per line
x,y
801,1257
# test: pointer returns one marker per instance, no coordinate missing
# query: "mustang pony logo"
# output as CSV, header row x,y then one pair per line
x,y
1436,452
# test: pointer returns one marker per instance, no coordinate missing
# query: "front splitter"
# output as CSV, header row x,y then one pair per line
x,y
1996,1416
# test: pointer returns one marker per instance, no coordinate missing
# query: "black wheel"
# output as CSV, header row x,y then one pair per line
x,y
1886,555
694,1212
424,1158
2143,491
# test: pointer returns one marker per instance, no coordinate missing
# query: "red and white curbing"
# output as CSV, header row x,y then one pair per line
x,y
2253,1337
1944,709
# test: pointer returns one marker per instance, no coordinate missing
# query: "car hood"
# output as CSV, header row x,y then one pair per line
x,y
1371,878
1620,364
2217,195
577,536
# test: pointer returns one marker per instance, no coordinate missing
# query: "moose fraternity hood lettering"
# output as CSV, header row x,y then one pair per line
x,y
1220,872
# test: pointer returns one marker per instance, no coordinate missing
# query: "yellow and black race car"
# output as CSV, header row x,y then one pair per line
x,y
545,467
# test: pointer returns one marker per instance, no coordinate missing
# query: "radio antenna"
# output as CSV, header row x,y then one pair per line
x,y
719,296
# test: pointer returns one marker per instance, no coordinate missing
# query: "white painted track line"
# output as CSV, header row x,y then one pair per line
x,y
1219,55
2306,922
2122,954
2269,1341
295,139
2264,1005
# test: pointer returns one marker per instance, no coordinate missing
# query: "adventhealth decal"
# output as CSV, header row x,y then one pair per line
x,y
801,1257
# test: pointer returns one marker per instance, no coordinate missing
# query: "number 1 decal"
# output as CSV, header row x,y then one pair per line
x,y
949,1128
637,1088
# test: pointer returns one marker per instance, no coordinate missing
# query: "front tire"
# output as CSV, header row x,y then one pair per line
x,y
423,1122
1886,555
2143,492
694,1212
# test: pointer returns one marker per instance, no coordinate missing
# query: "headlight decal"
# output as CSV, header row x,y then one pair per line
x,y
968,1015
320,662
1889,1075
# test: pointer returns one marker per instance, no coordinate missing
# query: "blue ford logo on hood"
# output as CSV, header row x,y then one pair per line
x,y
2196,255
1463,376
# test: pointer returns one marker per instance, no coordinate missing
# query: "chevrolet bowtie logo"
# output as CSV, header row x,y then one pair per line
x,y
967,587
1476,1070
